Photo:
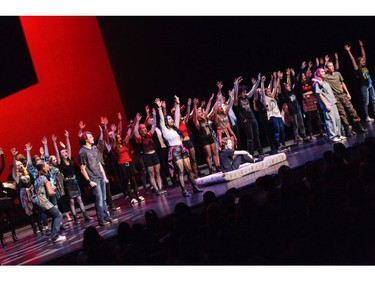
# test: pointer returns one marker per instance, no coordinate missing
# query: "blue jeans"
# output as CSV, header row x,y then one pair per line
x,y
367,94
56,220
277,126
100,200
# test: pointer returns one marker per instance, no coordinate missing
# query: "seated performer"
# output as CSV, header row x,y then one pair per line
x,y
231,159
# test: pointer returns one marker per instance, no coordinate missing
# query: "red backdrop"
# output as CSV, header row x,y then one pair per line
x,y
75,82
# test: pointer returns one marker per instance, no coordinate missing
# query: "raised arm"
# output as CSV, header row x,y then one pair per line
x,y
137,118
46,151
147,110
2,166
262,91
355,65
54,140
177,111
107,141
119,124
14,165
254,87
81,126
208,106
188,108
195,114
362,50
164,107
337,65
161,114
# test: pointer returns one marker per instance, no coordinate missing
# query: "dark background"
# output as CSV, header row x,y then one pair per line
x,y
159,56
16,67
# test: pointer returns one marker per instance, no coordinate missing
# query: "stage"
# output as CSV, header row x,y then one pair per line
x,y
33,249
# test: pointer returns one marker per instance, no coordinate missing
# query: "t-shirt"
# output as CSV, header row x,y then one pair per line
x,y
91,159
41,193
335,81
325,91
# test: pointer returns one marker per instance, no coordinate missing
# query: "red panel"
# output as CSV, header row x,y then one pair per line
x,y
75,83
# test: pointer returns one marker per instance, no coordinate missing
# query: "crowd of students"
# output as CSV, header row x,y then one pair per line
x,y
164,147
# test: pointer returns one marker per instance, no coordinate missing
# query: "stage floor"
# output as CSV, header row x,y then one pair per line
x,y
32,249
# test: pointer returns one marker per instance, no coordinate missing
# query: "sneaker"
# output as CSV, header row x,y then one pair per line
x,y
115,208
185,193
161,192
141,198
336,139
134,201
104,223
369,119
88,218
196,189
111,220
312,137
259,159
59,238
342,138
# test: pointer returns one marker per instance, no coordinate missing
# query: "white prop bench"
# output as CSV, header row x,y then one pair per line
x,y
243,170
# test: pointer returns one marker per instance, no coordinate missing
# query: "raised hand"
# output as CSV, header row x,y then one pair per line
x,y
44,140
1,151
62,145
54,138
176,99
292,72
113,127
66,134
238,80
147,109
303,65
310,64
189,101
360,43
158,102
28,146
326,58
336,56
119,117
81,125
138,117
196,101
253,80
14,151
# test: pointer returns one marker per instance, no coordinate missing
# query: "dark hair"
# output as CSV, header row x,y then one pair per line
x,y
84,136
242,88
173,126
